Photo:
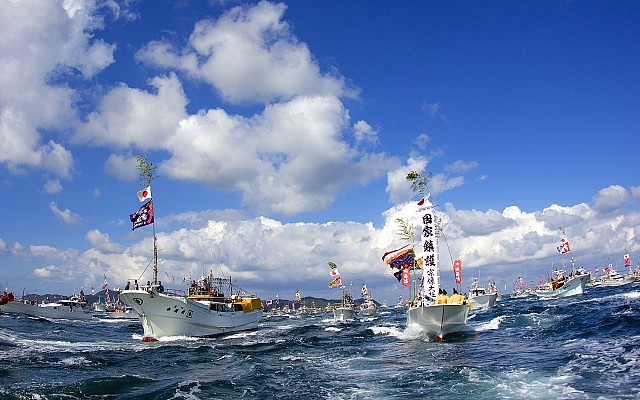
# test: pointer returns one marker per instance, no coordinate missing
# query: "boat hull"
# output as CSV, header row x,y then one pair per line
x,y
51,312
572,287
616,282
344,314
439,320
163,315
368,311
483,301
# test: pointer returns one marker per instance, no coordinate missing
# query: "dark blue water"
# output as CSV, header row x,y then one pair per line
x,y
583,347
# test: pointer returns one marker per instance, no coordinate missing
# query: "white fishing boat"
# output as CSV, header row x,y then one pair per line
x,y
438,320
521,293
613,278
346,310
482,298
212,306
73,308
121,313
368,308
563,284
424,312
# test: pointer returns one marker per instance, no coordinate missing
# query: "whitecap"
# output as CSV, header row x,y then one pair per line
x,y
241,335
490,325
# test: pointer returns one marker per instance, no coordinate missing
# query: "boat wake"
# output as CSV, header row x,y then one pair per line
x,y
492,325
408,334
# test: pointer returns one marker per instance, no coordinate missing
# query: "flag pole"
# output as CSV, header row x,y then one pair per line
x,y
155,253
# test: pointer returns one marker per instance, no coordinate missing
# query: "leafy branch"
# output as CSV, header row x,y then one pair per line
x,y
147,170
419,181
405,230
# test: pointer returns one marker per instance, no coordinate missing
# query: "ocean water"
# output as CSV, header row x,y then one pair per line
x,y
583,347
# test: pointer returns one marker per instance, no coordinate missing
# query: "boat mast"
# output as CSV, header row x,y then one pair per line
x,y
147,174
155,254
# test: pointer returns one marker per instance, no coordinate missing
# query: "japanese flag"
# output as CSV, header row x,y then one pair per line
x,y
144,194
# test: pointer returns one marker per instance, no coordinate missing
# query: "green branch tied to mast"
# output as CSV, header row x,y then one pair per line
x,y
147,170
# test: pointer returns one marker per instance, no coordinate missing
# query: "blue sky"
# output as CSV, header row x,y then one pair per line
x,y
283,133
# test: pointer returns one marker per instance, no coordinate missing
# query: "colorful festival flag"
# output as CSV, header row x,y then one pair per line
x,y
400,258
105,286
144,194
142,217
627,260
335,282
335,275
364,290
564,246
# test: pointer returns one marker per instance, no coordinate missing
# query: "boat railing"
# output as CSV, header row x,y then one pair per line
x,y
173,292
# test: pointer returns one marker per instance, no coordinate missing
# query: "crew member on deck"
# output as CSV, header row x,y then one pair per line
x,y
455,298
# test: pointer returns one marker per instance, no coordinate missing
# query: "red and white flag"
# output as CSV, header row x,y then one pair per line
x,y
457,271
406,276
144,194
424,201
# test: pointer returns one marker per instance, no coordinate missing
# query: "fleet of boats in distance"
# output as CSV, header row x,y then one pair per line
x,y
215,305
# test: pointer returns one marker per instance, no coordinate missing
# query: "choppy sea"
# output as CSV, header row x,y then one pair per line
x,y
583,347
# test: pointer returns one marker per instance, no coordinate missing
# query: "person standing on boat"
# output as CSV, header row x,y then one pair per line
x,y
160,287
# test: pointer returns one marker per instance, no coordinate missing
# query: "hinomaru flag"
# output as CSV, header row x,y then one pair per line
x,y
144,194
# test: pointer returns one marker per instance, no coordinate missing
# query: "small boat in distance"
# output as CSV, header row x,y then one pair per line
x,y
482,298
346,310
561,283
368,307
613,278
72,308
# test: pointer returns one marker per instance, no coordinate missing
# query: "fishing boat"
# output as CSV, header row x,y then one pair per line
x,y
424,312
521,289
613,278
73,308
212,306
346,310
482,298
561,283
368,307
564,285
